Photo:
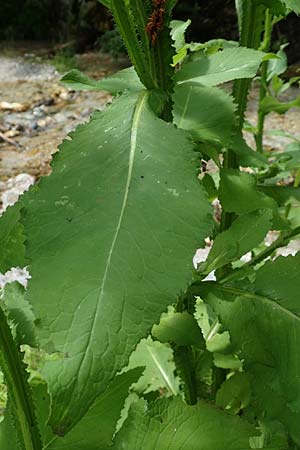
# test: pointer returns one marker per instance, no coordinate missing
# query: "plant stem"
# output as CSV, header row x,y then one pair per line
x,y
250,25
152,60
281,241
126,25
19,392
263,83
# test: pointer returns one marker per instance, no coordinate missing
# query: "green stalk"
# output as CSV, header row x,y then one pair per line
x,y
126,26
152,61
266,44
250,17
141,18
185,365
16,378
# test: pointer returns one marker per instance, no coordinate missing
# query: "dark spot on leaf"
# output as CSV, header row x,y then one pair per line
x,y
142,177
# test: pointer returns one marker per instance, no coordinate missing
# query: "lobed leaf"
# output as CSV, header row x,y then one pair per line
x,y
159,374
19,312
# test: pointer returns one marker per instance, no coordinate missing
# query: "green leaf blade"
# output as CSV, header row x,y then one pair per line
x,y
96,429
229,64
172,424
207,112
12,250
103,240
124,80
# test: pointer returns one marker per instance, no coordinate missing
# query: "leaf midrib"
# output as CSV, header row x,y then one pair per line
x,y
133,141
133,144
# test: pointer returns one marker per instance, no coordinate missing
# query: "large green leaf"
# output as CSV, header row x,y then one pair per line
x,y
170,424
11,240
264,326
97,427
207,112
124,80
229,64
110,236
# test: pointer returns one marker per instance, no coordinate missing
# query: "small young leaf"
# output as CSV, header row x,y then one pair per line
x,y
178,29
235,393
247,157
159,367
270,104
239,194
210,326
178,328
19,312
278,66
246,233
